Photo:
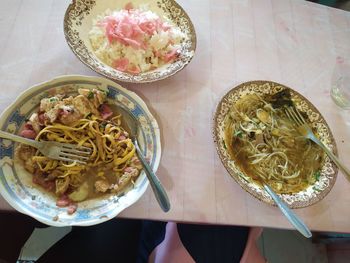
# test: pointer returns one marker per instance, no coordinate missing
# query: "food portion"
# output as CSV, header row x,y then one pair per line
x,y
86,120
266,145
135,40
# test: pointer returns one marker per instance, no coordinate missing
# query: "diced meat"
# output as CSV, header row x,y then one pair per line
x,y
134,69
135,162
82,104
105,111
70,117
68,101
54,174
101,186
41,117
132,171
29,134
100,96
95,96
72,208
34,121
63,201
52,114
40,180
121,138
121,64
47,104
171,55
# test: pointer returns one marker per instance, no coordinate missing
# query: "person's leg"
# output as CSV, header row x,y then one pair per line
x,y
113,241
213,243
15,228
152,234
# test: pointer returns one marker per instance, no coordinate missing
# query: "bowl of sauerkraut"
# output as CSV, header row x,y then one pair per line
x,y
138,41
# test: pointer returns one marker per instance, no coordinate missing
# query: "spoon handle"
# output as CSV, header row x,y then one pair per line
x,y
291,216
156,185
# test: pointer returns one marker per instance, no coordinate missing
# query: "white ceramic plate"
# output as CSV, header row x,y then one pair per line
x,y
78,22
16,184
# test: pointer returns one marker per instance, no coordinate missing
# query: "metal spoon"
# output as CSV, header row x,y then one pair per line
x,y
133,124
289,214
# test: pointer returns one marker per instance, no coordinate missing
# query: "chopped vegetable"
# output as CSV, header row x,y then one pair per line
x,y
90,95
317,175
316,189
238,133
81,193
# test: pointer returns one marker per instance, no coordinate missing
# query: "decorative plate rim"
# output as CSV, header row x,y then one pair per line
x,y
94,220
131,78
245,186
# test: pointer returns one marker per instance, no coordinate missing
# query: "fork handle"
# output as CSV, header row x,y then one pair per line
x,y
334,158
156,185
12,137
289,214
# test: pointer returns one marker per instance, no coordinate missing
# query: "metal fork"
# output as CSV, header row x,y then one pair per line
x,y
306,131
54,150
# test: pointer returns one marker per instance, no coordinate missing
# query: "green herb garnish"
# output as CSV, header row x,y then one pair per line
x,y
317,175
224,144
316,189
90,95
238,133
53,99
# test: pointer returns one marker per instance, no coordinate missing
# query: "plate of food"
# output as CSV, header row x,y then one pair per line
x,y
138,41
82,111
257,143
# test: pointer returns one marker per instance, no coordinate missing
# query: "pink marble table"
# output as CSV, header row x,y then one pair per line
x,y
289,41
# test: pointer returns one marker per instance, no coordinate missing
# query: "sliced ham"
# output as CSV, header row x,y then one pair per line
x,y
171,55
63,201
134,69
29,134
121,64
72,208
105,111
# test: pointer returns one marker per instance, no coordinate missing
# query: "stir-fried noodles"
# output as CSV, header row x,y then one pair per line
x,y
85,120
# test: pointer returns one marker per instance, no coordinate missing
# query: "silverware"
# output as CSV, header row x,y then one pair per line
x,y
132,124
305,130
54,150
289,214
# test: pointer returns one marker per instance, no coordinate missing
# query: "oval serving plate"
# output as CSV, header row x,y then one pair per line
x,y
78,22
16,184
310,195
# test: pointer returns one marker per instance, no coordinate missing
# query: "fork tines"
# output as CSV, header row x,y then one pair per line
x,y
294,115
71,153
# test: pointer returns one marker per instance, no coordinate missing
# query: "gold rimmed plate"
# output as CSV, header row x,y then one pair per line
x,y
313,193
78,21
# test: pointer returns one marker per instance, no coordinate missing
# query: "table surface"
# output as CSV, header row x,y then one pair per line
x,y
292,42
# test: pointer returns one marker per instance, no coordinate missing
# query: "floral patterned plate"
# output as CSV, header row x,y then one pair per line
x,y
78,22
16,184
310,195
